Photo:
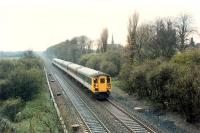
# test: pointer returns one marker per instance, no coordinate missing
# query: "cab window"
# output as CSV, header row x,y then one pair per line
x,y
102,80
95,81
108,80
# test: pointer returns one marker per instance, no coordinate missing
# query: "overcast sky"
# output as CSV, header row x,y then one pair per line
x,y
37,24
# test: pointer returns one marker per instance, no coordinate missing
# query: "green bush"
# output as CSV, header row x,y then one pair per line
x,y
186,92
125,72
136,76
187,57
5,67
160,80
6,91
94,62
84,59
139,83
26,83
11,107
108,67
28,63
173,85
115,58
20,78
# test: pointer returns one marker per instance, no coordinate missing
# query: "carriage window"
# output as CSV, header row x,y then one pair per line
x,y
108,80
102,80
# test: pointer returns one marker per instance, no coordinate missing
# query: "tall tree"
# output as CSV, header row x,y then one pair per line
x,y
184,30
132,35
145,35
104,39
83,42
165,39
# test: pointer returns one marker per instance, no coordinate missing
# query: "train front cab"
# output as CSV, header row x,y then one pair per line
x,y
101,86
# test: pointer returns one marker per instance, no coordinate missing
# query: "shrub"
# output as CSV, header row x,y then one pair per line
x,y
124,77
171,84
108,68
5,67
115,58
94,62
28,63
26,83
137,76
186,92
5,89
187,57
160,80
125,72
84,59
11,107
139,83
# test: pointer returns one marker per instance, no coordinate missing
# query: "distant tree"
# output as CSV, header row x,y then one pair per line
x,y
184,29
70,50
99,46
132,35
164,42
83,42
29,53
112,41
88,46
155,40
104,39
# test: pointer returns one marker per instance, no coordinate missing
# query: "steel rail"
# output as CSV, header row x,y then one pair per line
x,y
128,120
89,118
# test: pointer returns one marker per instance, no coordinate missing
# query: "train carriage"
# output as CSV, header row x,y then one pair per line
x,y
97,82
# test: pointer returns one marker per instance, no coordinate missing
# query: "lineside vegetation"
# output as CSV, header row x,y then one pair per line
x,y
24,98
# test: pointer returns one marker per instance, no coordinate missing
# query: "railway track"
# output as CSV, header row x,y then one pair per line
x,y
129,121
92,122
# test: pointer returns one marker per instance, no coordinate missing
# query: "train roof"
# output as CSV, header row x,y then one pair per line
x,y
91,72
66,63
81,69
74,66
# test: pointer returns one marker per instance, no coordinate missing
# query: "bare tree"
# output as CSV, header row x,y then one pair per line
x,y
145,37
98,45
184,30
132,34
83,41
89,46
104,39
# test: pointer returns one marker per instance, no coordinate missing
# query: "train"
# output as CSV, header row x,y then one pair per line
x,y
97,82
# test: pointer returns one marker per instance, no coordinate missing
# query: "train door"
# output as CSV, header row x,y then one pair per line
x,y
109,83
102,84
95,85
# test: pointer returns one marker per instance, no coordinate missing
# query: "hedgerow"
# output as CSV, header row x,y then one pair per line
x,y
172,84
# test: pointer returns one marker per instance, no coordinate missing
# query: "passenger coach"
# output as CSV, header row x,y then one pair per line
x,y
97,82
